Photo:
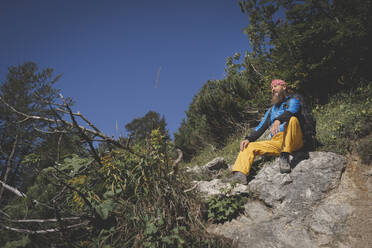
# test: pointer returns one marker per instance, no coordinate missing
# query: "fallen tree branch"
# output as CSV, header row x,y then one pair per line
x,y
43,220
49,132
192,188
23,195
9,163
179,158
66,123
2,212
83,134
45,231
14,190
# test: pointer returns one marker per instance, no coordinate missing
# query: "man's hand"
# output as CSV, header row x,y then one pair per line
x,y
275,128
244,144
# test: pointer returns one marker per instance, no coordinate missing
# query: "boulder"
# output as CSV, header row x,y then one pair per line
x,y
308,207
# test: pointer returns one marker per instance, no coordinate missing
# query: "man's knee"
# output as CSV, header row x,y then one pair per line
x,y
294,120
248,147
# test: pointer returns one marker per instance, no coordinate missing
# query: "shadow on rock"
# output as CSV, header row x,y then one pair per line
x,y
298,157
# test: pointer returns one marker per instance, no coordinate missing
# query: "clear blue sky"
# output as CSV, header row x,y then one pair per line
x,y
109,52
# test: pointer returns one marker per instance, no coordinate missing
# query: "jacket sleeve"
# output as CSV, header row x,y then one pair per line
x,y
261,128
293,107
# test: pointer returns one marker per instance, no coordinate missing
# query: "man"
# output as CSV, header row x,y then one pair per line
x,y
285,131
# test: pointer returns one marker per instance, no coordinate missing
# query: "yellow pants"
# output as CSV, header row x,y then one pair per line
x,y
288,141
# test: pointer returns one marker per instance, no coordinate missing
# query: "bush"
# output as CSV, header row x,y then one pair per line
x,y
225,207
131,199
346,118
222,108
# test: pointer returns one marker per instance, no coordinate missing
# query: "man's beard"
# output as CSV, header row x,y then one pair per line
x,y
277,99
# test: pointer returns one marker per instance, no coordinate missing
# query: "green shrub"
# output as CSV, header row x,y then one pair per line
x,y
130,199
225,207
347,117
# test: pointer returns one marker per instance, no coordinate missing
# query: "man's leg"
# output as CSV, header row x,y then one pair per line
x,y
292,136
246,157
292,142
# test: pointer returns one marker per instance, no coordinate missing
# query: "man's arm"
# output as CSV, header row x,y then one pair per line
x,y
261,128
293,107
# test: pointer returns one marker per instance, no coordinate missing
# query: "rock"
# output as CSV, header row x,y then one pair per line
x,y
308,182
196,169
214,187
368,173
210,169
216,164
308,207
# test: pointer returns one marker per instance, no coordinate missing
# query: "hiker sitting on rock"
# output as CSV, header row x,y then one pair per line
x,y
285,131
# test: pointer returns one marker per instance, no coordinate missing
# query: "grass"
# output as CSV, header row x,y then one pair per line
x,y
345,120
228,152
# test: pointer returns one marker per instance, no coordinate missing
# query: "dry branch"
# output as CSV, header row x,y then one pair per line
x,y
192,188
8,164
45,231
21,194
44,220
14,190
94,132
2,212
179,158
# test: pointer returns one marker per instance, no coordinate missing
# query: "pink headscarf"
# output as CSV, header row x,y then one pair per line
x,y
276,82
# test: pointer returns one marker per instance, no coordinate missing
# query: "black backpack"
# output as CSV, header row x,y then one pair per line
x,y
307,122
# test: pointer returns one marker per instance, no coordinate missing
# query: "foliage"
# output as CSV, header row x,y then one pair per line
x,y
129,200
139,129
129,195
312,44
225,207
228,152
30,91
346,118
23,242
222,108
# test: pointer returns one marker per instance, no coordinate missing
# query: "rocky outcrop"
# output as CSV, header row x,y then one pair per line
x,y
309,207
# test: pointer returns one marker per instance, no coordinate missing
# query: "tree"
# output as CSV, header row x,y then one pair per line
x,y
30,91
313,45
223,107
139,129
132,195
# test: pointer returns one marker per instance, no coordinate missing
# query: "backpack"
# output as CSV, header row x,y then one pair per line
x,y
307,122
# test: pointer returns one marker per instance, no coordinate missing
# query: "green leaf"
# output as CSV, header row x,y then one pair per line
x,y
105,208
151,229
23,242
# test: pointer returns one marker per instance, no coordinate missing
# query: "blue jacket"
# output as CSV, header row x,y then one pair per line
x,y
288,108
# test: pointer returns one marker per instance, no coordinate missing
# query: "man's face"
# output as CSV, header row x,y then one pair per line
x,y
278,92
276,89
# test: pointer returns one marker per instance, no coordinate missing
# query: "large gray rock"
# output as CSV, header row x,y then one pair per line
x,y
309,182
307,208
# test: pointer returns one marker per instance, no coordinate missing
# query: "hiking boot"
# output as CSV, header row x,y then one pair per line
x,y
237,177
284,162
